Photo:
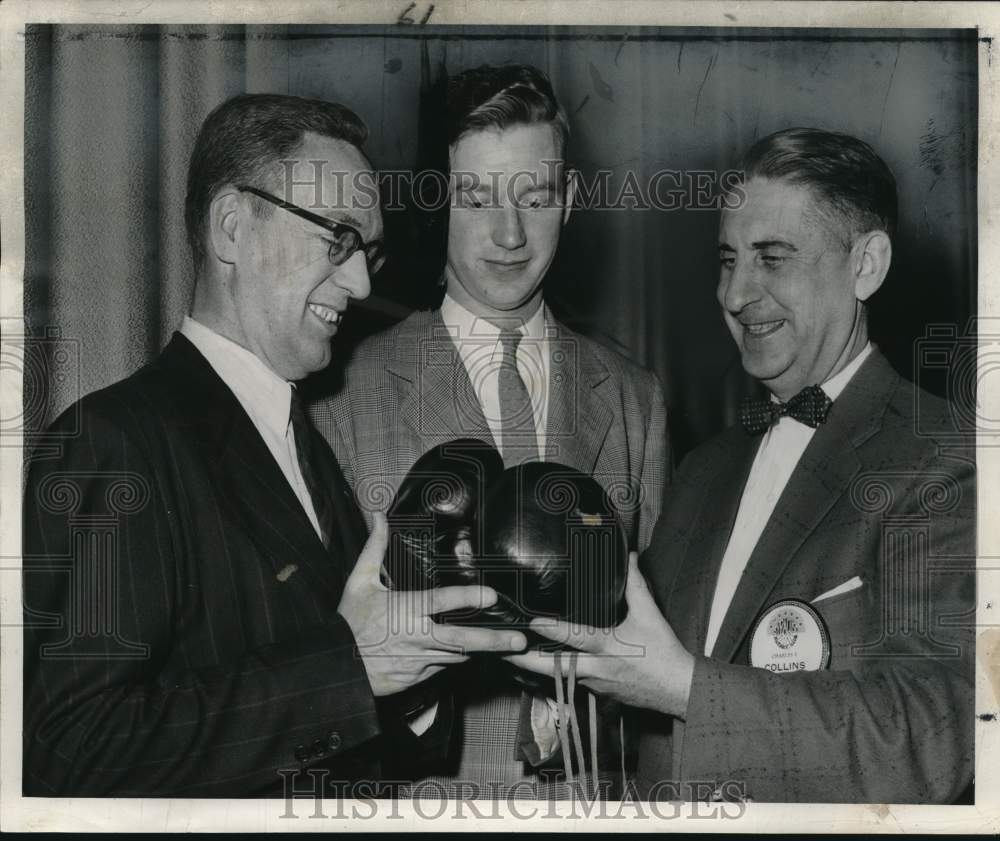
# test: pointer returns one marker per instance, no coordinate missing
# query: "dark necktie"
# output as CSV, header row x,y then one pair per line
x,y
810,406
322,505
517,418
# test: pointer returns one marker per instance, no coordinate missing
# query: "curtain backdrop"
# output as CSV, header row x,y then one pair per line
x,y
112,112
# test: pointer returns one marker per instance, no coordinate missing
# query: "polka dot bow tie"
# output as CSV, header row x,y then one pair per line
x,y
810,406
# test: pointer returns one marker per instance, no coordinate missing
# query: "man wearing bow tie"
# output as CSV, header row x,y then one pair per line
x,y
804,630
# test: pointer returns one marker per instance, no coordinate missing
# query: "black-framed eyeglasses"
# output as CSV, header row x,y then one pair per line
x,y
346,239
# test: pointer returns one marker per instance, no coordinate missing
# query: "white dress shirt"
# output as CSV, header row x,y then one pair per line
x,y
481,352
780,450
266,398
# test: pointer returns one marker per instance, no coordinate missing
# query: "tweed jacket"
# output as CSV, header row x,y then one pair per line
x,y
406,390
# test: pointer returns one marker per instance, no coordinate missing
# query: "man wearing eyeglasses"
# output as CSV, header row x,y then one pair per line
x,y
213,620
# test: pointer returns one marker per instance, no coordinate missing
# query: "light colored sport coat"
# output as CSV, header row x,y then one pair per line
x,y
406,390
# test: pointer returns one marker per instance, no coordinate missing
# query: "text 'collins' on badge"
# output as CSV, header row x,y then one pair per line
x,y
790,637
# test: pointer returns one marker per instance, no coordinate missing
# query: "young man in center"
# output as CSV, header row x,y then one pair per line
x,y
472,367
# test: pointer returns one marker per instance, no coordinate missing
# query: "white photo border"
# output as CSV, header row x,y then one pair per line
x,y
162,814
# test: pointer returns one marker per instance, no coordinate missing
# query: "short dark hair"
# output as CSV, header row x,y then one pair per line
x,y
846,174
498,97
244,137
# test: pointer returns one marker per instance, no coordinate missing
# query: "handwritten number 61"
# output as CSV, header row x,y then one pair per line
x,y
404,16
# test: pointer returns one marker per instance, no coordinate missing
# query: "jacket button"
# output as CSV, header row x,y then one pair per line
x,y
333,740
318,748
301,753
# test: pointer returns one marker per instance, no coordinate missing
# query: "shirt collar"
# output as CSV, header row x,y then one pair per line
x,y
259,389
838,382
468,324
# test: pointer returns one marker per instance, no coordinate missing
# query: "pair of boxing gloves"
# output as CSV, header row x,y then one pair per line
x,y
545,537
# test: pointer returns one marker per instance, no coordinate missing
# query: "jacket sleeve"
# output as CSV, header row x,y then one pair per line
x,y
895,725
107,707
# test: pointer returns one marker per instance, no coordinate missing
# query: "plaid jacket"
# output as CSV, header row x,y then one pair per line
x,y
405,390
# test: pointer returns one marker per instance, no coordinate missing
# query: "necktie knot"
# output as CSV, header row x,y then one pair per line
x,y
509,340
810,406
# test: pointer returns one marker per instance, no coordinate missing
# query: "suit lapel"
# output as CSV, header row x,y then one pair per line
x,y
690,600
270,511
814,486
249,481
823,474
349,537
437,400
580,412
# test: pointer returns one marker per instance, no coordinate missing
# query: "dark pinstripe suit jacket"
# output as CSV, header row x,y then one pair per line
x,y
406,390
886,492
183,635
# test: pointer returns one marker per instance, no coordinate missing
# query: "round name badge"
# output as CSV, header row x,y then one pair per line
x,y
790,637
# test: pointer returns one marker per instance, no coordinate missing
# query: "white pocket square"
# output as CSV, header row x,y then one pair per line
x,y
840,589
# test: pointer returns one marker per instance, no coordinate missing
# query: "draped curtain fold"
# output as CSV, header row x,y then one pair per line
x,y
116,118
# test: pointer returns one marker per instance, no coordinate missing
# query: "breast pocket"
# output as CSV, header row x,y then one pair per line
x,y
848,619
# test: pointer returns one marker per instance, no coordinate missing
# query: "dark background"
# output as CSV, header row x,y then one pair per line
x,y
111,115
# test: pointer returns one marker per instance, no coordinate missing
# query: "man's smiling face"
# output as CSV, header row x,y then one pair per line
x,y
287,296
786,286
